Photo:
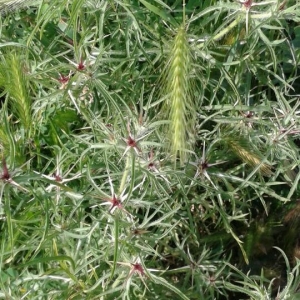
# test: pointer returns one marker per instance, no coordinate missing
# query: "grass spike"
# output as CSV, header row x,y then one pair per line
x,y
246,152
16,85
179,106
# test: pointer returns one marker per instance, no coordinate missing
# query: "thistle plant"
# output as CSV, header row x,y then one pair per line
x,y
98,100
11,5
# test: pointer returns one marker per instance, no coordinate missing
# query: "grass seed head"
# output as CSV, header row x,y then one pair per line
x,y
179,105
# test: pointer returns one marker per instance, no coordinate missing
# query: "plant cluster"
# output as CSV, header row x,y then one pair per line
x,y
149,149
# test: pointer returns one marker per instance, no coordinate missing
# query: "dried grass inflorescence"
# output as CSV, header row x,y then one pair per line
x,y
248,154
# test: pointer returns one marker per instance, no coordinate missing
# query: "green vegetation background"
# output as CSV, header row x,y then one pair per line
x,y
150,149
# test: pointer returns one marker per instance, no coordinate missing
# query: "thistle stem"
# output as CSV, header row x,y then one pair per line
x,y
125,174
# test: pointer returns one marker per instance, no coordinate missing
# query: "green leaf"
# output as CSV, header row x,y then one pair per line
x,y
160,12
